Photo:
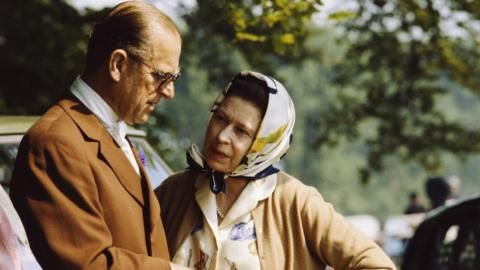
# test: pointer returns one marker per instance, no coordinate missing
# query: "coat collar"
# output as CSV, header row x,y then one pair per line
x,y
93,130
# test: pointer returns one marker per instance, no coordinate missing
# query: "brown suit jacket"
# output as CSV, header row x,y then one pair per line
x,y
82,203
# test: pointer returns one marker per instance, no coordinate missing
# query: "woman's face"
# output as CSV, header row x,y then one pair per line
x,y
230,133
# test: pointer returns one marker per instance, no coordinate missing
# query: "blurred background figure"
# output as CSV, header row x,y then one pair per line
x,y
438,191
414,205
454,183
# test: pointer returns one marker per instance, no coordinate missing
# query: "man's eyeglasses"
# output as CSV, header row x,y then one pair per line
x,y
159,77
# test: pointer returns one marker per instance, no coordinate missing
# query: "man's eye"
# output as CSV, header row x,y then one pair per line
x,y
156,76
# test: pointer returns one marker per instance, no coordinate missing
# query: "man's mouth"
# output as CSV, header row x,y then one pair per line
x,y
151,105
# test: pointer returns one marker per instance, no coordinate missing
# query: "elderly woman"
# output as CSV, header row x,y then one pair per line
x,y
232,209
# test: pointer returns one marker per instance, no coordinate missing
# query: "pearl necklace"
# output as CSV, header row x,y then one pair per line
x,y
220,213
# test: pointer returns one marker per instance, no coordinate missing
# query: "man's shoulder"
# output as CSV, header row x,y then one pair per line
x,y
55,124
52,121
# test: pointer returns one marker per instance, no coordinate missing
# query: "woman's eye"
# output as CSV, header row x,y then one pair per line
x,y
220,118
243,132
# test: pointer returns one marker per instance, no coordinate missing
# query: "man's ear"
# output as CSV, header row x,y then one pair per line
x,y
117,64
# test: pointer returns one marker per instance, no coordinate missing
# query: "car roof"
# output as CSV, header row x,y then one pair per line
x,y
15,124
421,247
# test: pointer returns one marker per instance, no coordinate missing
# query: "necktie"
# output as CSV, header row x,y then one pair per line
x,y
9,253
119,132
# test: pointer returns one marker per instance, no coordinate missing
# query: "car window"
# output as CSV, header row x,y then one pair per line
x,y
157,169
8,152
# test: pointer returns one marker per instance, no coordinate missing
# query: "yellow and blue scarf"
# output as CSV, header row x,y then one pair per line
x,y
271,142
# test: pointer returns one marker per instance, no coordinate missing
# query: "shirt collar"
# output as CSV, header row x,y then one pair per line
x,y
248,199
262,188
98,106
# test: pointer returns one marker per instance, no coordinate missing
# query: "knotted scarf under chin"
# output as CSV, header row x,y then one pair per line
x,y
197,162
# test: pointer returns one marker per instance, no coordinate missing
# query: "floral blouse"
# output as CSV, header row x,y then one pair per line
x,y
232,244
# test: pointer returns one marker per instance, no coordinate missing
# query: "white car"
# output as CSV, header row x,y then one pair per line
x,y
12,129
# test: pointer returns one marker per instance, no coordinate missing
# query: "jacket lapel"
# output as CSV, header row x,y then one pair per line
x,y
93,130
151,201
157,231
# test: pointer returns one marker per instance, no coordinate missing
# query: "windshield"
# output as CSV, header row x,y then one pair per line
x,y
8,152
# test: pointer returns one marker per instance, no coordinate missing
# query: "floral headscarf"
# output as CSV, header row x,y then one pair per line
x,y
271,142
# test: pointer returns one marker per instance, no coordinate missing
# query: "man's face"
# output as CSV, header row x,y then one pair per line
x,y
143,90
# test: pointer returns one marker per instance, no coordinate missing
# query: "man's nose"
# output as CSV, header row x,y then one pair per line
x,y
167,91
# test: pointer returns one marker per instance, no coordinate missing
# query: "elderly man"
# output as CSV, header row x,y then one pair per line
x,y
78,184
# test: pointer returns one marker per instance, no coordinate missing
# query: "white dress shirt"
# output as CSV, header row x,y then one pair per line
x,y
116,127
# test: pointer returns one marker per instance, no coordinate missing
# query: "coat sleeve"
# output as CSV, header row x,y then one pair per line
x,y
54,190
335,241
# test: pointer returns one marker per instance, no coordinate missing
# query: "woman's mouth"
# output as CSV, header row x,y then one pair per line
x,y
219,153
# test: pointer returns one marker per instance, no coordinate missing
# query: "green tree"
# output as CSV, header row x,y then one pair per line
x,y
258,28
401,59
42,47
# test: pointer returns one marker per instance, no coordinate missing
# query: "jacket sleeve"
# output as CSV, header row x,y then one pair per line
x,y
55,192
335,241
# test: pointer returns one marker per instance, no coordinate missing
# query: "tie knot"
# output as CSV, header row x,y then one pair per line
x,y
122,129
118,129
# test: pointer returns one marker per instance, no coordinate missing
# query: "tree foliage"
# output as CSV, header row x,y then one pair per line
x,y
403,56
259,28
42,48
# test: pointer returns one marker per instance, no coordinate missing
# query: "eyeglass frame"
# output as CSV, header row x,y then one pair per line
x,y
163,77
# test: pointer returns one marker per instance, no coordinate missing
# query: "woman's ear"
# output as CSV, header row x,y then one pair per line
x,y
117,64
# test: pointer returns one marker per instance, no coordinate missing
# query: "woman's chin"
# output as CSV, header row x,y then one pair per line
x,y
217,166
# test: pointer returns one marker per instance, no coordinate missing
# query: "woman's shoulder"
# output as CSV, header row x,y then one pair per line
x,y
183,175
287,182
177,180
290,187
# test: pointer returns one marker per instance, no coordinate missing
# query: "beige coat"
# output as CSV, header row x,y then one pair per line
x,y
82,203
295,227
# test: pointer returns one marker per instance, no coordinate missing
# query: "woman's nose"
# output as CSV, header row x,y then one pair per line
x,y
225,134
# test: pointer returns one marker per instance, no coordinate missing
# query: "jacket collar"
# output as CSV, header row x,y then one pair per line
x,y
93,130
